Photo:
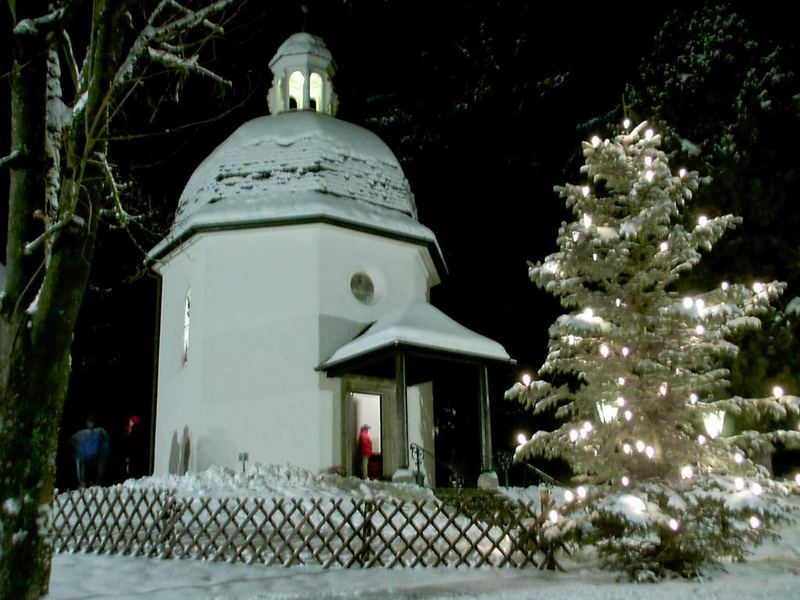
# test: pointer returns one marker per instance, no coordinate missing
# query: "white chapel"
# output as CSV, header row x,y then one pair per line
x,y
294,302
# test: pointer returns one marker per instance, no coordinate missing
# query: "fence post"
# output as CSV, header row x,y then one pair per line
x,y
166,525
548,549
367,509
417,454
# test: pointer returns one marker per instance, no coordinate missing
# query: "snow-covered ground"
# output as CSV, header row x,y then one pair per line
x,y
773,571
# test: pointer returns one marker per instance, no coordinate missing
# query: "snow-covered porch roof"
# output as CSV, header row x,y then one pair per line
x,y
422,337
416,328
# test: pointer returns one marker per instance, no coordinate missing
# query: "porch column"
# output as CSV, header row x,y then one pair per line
x,y
401,411
488,478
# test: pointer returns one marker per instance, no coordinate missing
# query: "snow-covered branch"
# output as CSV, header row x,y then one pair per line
x,y
119,211
10,158
70,219
754,409
161,33
40,25
174,61
57,116
72,64
206,23
190,20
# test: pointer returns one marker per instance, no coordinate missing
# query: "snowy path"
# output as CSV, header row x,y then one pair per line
x,y
773,572
85,577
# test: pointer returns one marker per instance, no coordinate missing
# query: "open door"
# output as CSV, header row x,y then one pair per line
x,y
367,411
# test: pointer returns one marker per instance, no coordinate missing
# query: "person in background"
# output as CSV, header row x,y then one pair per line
x,y
90,448
134,449
364,450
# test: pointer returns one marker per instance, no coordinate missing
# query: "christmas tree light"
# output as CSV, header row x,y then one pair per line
x,y
713,421
607,412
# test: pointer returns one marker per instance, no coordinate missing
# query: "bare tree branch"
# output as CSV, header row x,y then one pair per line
x,y
40,25
184,64
152,33
31,247
9,159
212,26
119,212
72,64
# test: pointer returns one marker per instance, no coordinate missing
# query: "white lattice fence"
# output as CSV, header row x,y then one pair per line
x,y
344,532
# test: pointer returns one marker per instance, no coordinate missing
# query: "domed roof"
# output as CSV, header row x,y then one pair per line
x,y
299,166
302,43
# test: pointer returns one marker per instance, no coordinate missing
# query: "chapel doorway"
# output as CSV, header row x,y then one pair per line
x,y
367,410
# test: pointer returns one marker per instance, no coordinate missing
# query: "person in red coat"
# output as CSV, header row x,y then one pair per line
x,y
364,450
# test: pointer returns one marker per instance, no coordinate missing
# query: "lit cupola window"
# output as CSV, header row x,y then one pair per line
x,y
302,68
315,91
296,83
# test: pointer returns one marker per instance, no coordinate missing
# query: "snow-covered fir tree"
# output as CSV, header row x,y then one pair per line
x,y
634,373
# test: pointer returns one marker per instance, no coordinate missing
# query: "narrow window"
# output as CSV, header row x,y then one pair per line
x,y
279,99
315,90
296,83
187,306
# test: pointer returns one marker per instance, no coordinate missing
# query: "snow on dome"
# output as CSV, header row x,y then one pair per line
x,y
299,166
421,325
302,43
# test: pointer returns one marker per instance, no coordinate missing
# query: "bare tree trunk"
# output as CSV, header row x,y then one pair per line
x,y
23,485
42,300
52,228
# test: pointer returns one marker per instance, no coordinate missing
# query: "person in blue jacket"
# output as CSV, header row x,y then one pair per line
x,y
90,448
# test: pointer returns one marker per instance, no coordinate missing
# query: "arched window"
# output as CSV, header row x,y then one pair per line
x,y
296,83
187,306
315,90
279,100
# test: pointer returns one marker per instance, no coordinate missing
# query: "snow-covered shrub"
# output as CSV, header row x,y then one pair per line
x,y
662,528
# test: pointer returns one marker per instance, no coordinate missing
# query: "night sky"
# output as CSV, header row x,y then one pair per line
x,y
485,105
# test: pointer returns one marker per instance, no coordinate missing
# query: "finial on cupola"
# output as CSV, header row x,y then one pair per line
x,y
302,70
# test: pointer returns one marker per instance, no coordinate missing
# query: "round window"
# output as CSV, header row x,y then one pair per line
x,y
362,287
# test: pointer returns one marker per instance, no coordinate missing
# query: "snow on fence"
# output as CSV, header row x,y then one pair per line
x,y
457,530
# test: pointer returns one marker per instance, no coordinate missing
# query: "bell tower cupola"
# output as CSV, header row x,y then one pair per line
x,y
302,71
